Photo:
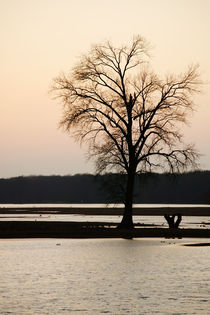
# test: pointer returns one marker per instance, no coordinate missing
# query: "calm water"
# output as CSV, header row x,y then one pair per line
x,y
144,276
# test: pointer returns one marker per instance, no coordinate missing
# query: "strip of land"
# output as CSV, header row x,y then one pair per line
x,y
38,229
159,211
46,229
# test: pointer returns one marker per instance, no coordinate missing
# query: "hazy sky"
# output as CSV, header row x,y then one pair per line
x,y
41,38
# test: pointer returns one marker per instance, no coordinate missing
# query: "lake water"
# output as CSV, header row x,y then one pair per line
x,y
93,277
104,276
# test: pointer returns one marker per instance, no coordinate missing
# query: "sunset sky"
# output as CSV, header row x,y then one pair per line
x,y
41,38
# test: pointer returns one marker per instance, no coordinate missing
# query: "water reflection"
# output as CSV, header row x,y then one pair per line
x,y
89,277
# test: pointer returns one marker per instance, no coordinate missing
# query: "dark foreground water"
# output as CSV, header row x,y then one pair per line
x,y
144,276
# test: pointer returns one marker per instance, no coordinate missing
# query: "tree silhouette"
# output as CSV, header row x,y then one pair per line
x,y
130,118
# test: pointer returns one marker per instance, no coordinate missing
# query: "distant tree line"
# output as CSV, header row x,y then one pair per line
x,y
193,187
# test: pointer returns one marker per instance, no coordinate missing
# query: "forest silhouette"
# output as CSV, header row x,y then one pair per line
x,y
187,188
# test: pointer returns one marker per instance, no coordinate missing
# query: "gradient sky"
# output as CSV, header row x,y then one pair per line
x,y
41,38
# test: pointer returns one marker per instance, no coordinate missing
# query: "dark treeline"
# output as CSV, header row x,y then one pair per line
x,y
149,188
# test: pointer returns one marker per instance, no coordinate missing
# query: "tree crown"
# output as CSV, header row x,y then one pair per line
x,y
129,116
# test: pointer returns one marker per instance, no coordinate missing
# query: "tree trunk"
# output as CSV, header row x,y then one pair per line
x,y
127,220
170,219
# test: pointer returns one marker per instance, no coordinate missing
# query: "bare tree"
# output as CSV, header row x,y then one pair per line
x,y
130,118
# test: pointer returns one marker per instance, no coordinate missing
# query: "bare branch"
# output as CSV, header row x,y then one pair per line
x,y
130,118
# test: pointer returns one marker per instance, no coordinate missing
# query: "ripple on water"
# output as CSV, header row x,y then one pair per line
x,y
89,277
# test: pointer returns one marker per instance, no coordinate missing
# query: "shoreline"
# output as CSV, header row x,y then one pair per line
x,y
64,229
46,229
159,211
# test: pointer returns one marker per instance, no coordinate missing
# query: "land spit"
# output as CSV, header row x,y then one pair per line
x,y
53,229
37,229
188,210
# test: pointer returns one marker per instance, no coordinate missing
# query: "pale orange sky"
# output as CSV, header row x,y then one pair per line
x,y
41,38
